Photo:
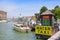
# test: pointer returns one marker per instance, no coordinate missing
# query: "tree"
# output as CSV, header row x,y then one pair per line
x,y
43,9
56,7
56,11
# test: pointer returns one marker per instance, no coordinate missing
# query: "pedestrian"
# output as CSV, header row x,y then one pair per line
x,y
56,25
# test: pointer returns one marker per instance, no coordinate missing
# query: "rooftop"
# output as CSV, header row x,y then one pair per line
x,y
47,13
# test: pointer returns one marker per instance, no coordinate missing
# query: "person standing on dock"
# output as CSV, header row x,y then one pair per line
x,y
56,25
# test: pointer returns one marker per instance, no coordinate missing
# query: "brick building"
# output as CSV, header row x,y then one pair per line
x,y
3,15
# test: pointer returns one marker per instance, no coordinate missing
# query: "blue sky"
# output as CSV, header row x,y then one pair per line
x,y
25,7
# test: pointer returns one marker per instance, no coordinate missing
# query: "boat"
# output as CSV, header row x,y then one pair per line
x,y
3,21
21,28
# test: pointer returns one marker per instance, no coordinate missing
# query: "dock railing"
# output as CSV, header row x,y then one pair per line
x,y
56,36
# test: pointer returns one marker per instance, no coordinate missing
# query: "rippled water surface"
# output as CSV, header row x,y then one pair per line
x,y
7,33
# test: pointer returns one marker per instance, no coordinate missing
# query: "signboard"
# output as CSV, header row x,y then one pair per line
x,y
44,30
45,16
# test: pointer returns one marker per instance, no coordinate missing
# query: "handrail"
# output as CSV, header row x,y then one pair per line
x,y
56,36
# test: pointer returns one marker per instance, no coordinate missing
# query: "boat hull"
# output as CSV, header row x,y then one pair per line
x,y
22,29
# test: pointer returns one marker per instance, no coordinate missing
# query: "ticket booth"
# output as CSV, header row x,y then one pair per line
x,y
47,19
46,29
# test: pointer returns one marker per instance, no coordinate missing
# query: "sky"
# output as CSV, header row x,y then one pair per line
x,y
25,7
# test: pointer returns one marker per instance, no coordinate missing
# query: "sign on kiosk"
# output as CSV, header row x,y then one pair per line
x,y
45,16
45,30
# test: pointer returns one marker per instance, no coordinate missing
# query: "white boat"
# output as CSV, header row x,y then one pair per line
x,y
21,25
3,21
20,28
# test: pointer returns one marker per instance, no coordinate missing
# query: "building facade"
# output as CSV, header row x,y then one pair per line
x,y
3,15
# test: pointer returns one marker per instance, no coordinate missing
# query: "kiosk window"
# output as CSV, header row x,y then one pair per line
x,y
46,22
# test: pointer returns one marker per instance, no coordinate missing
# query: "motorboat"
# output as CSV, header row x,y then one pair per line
x,y
21,28
22,25
3,21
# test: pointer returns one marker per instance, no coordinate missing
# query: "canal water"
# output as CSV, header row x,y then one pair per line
x,y
7,33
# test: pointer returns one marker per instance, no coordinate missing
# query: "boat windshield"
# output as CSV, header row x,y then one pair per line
x,y
20,20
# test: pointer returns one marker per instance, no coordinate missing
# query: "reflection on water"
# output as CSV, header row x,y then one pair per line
x,y
7,33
